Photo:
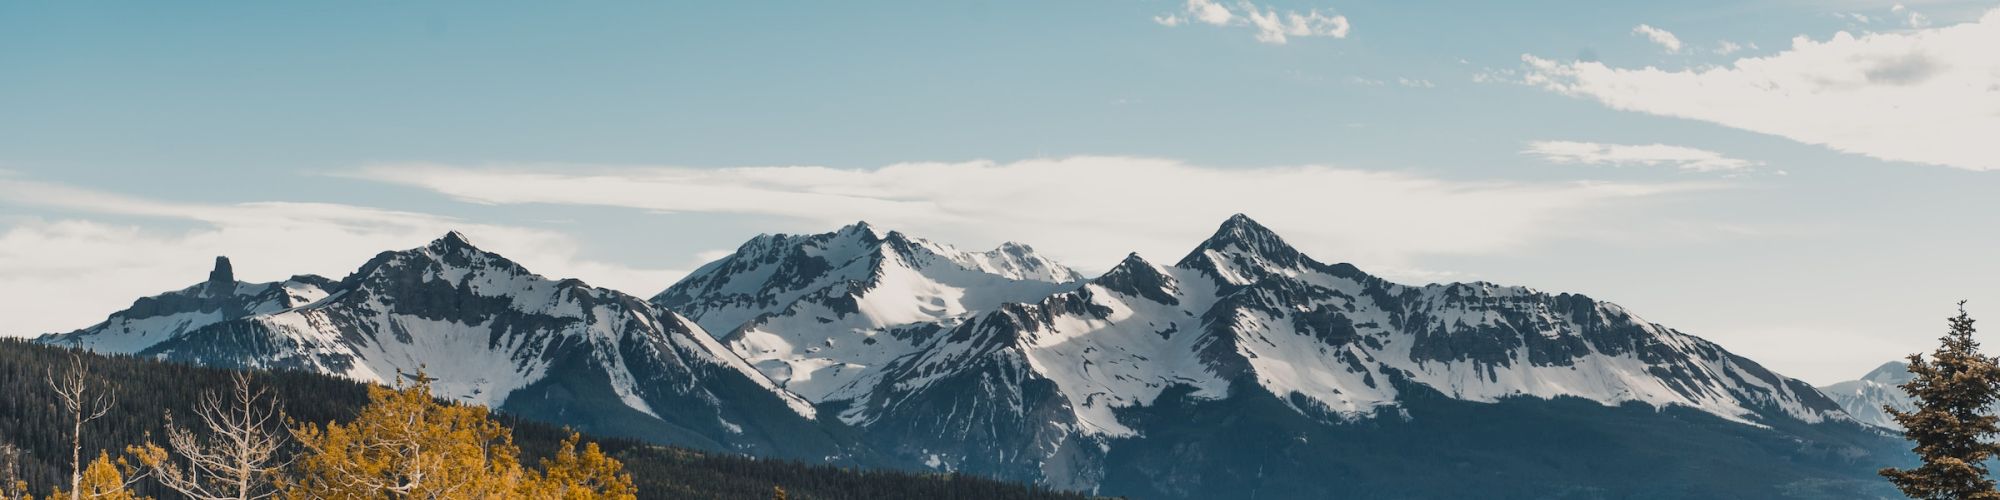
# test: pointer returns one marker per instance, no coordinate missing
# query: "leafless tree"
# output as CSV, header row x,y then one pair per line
x,y
12,487
84,405
239,454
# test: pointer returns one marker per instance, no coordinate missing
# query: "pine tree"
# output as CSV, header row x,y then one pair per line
x,y
1951,423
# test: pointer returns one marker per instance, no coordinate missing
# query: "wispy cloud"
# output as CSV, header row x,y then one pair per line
x,y
1596,153
1271,26
62,274
1418,83
1089,211
1924,96
1665,39
1910,17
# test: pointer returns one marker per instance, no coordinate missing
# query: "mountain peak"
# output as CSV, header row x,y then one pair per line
x,y
452,240
1244,236
1243,225
1893,372
1014,248
223,275
861,227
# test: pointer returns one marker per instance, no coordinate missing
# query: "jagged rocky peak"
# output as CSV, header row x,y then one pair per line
x,y
1241,249
156,318
860,228
1242,234
1138,278
223,277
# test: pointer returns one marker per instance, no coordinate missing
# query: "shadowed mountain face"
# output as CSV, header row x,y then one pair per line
x,y
1246,369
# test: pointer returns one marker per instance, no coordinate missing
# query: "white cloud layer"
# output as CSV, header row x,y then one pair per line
x,y
1086,211
1665,39
1928,96
1272,26
1597,153
58,275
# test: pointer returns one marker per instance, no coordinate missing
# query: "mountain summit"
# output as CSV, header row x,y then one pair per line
x,y
822,313
489,332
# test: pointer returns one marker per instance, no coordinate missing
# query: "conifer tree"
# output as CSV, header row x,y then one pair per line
x,y
1951,424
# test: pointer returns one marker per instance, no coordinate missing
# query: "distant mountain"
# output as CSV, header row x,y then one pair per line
x,y
822,314
1246,369
490,332
1246,325
156,319
1865,398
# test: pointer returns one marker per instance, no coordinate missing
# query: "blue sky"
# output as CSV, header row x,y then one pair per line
x,y
1815,203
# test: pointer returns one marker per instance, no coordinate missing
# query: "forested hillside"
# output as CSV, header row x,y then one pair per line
x,y
145,390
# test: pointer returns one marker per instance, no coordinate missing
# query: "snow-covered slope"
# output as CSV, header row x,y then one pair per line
x,y
490,332
821,314
1247,311
154,319
1865,398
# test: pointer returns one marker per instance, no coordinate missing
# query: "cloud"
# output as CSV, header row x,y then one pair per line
x,y
1415,83
1087,211
1726,47
1664,38
1594,153
1911,18
1271,26
1924,96
62,274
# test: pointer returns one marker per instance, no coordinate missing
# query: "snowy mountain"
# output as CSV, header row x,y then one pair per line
x,y
822,314
1052,380
1246,369
489,332
155,319
1865,398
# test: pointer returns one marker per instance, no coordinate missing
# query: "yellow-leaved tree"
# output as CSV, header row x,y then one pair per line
x,y
105,479
406,444
588,474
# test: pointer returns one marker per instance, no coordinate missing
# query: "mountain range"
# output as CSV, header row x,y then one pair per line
x,y
1245,369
